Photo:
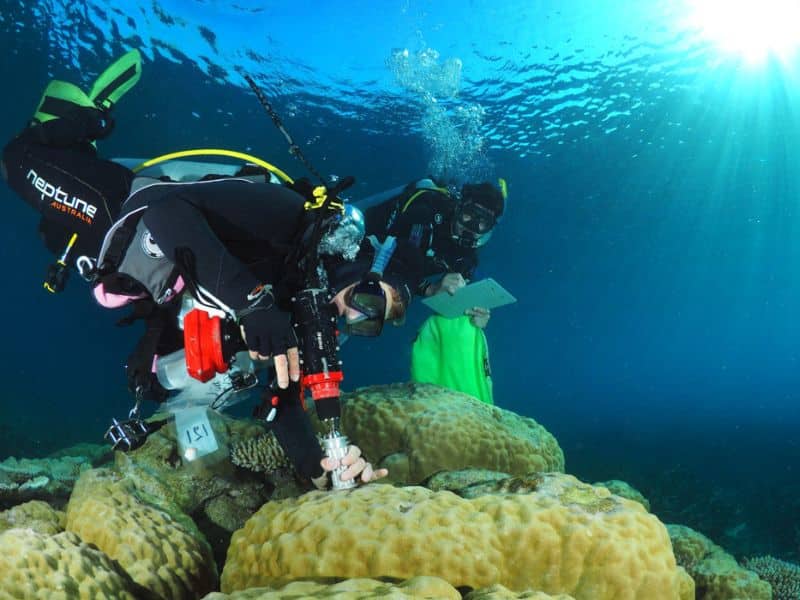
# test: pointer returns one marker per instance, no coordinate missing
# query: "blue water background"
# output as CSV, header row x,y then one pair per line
x,y
650,237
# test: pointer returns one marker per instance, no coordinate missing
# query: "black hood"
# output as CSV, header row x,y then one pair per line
x,y
486,195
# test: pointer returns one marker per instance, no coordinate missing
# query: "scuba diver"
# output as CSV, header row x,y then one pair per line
x,y
447,228
243,253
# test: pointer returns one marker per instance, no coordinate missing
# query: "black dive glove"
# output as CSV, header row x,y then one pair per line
x,y
267,329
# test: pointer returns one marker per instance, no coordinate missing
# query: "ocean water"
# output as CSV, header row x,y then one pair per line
x,y
650,237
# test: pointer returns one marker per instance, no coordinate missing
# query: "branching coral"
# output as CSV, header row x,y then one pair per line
x,y
784,577
261,454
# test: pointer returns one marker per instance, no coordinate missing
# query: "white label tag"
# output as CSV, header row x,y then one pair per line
x,y
195,436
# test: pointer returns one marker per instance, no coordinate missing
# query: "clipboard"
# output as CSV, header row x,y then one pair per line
x,y
486,293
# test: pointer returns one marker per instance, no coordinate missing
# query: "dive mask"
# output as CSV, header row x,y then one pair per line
x,y
473,224
368,299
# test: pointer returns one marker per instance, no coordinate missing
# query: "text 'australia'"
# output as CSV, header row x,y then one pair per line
x,y
61,200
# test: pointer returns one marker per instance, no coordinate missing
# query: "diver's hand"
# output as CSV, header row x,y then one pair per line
x,y
268,333
450,283
357,468
478,316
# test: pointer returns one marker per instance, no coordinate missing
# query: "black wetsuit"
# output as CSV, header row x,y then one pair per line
x,y
239,233
73,189
424,223
235,234
230,236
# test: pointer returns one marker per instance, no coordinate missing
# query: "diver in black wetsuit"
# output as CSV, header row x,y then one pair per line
x,y
230,243
447,228
53,163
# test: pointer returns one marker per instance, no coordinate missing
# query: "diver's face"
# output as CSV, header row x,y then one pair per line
x,y
353,314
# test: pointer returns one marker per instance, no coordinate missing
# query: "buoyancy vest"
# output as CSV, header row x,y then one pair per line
x,y
401,203
142,262
130,264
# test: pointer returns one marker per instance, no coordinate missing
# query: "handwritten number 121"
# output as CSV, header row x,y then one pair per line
x,y
199,432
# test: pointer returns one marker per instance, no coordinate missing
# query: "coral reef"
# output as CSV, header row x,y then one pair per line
x,y
37,565
784,577
162,551
563,537
520,484
139,528
498,592
716,573
36,515
625,490
456,480
95,454
262,454
351,589
49,479
421,587
417,430
212,488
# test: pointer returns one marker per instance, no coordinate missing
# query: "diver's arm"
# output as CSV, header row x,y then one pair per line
x,y
478,316
209,218
450,283
194,226
293,431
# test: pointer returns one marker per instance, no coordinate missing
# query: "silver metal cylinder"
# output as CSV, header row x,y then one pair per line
x,y
334,444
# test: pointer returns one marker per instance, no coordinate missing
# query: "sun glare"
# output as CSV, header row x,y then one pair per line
x,y
754,29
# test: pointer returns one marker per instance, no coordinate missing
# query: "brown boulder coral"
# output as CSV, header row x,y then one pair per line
x,y
626,490
164,552
37,565
716,574
416,430
498,592
36,515
563,537
431,588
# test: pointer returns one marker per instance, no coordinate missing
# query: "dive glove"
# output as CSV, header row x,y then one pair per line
x,y
267,329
